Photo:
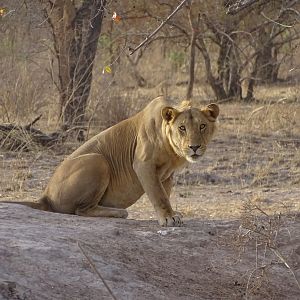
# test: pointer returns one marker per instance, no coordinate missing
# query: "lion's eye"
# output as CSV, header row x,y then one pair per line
x,y
182,128
202,126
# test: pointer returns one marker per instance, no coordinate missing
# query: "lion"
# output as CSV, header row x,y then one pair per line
x,y
113,169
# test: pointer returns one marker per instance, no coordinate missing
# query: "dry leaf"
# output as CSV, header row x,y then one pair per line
x,y
116,18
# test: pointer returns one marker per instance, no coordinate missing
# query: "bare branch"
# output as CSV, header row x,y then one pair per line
x,y
275,22
159,27
33,122
240,5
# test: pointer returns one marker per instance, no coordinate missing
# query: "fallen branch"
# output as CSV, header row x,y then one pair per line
x,y
33,122
147,39
283,260
15,137
95,270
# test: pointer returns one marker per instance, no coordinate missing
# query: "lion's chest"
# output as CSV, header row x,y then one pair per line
x,y
165,168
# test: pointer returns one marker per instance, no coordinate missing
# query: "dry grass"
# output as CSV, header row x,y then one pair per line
x,y
255,149
264,233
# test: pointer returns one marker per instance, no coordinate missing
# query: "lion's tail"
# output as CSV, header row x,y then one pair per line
x,y
42,204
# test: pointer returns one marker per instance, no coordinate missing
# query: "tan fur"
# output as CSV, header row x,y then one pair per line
x,y
41,205
112,170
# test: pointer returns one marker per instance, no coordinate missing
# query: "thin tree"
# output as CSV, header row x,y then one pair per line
x,y
194,23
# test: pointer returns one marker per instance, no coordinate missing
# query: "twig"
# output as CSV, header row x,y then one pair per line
x,y
255,111
95,270
249,278
158,28
33,122
275,22
278,254
8,13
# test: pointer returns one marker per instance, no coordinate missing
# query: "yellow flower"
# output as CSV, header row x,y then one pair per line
x,y
107,69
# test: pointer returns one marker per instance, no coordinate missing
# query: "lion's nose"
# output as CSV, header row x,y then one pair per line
x,y
194,147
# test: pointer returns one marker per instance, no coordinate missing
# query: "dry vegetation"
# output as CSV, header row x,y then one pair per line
x,y
251,171
255,155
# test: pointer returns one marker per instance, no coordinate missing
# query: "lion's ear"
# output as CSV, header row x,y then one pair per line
x,y
169,113
211,111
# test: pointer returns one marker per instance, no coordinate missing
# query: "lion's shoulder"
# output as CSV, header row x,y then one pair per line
x,y
154,108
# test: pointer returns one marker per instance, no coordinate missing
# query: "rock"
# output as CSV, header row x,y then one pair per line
x,y
47,255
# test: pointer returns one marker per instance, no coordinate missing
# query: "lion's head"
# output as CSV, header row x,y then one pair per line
x,y
190,130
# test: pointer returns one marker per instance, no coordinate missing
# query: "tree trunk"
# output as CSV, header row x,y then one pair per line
x,y
265,69
234,88
227,83
267,63
194,20
134,61
140,80
276,65
190,86
252,81
76,31
215,84
228,70
266,66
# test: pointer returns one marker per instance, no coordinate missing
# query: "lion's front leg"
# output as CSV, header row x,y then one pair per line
x,y
157,193
168,185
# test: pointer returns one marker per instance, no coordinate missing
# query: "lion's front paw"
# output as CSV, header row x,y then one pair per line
x,y
173,220
178,213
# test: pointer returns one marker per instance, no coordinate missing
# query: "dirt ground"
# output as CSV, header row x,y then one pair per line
x,y
240,240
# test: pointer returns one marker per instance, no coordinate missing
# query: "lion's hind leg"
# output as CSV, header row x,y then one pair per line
x,y
102,211
78,186
95,179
